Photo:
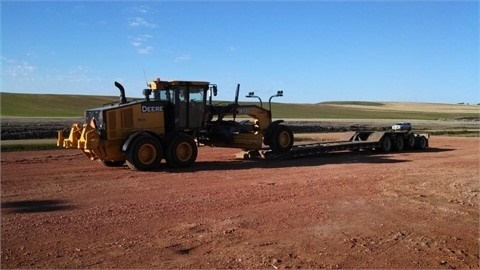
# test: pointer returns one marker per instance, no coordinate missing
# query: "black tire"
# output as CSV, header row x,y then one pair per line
x,y
145,153
181,151
410,143
113,163
399,143
386,144
281,140
421,143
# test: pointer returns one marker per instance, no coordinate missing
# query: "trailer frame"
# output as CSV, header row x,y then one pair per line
x,y
382,141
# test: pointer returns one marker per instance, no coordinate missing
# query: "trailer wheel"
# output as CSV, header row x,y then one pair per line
x,y
145,153
281,140
386,144
410,141
421,143
399,143
181,151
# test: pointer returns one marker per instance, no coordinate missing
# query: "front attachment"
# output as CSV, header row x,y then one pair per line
x,y
84,137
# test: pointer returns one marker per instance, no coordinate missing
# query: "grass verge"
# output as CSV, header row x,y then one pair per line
x,y
27,147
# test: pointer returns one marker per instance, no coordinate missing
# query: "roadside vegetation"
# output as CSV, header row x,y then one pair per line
x,y
27,147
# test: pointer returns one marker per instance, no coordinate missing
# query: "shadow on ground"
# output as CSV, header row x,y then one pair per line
x,y
345,157
36,206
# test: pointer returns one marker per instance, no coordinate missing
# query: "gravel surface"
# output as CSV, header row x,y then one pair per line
x,y
345,210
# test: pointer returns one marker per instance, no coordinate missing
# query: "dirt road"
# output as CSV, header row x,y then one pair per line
x,y
346,210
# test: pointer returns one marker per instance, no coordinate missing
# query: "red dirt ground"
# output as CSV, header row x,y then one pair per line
x,y
345,210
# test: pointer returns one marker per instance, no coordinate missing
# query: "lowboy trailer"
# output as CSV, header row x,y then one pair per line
x,y
383,141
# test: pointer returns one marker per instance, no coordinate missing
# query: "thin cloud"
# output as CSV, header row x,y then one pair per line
x,y
145,50
19,69
182,58
136,44
142,9
77,74
140,43
140,22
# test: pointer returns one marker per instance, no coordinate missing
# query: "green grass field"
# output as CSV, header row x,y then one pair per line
x,y
49,105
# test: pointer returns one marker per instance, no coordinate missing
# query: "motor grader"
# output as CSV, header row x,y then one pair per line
x,y
171,124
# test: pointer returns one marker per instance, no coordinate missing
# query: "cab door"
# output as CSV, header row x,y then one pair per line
x,y
189,106
196,107
181,107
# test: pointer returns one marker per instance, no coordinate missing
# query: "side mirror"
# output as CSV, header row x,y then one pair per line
x,y
146,93
215,90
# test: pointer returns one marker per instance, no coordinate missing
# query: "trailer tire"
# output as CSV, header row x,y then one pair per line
x,y
421,143
281,140
386,144
399,143
145,153
181,151
410,141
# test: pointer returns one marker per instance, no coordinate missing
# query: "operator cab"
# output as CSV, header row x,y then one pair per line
x,y
186,99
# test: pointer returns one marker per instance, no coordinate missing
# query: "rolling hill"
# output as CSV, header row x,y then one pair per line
x,y
51,105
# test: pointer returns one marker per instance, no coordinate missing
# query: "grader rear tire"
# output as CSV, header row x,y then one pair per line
x,y
181,151
281,140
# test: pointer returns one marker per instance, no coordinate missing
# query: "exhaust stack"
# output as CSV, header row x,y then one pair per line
x,y
123,99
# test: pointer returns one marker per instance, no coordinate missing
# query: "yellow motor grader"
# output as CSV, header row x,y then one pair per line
x,y
171,124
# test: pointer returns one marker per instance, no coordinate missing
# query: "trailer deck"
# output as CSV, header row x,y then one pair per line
x,y
384,141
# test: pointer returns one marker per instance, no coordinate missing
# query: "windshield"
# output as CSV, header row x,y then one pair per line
x,y
196,94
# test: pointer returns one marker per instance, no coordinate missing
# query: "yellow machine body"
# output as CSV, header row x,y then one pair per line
x,y
170,126
121,122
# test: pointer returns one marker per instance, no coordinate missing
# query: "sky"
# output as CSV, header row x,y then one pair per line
x,y
315,51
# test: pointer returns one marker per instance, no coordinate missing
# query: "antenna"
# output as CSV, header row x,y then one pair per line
x,y
236,102
145,75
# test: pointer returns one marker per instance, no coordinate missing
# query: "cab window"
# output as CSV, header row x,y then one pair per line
x,y
196,94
